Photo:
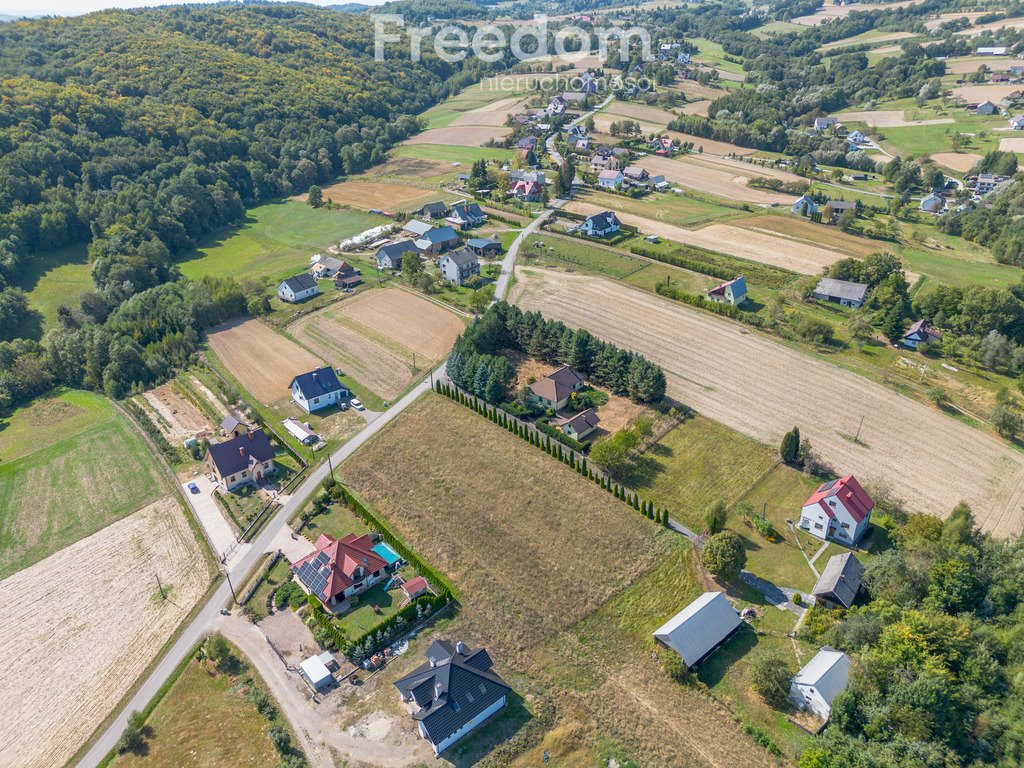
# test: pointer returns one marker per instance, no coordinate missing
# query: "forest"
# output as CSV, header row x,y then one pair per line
x,y
137,132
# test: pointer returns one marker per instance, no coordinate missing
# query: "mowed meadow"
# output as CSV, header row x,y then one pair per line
x,y
71,464
535,551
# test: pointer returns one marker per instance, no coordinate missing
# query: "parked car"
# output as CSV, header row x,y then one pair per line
x,y
356,404
193,488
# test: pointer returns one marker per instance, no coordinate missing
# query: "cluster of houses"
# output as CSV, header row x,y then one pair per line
x,y
854,139
805,205
553,392
458,262
305,285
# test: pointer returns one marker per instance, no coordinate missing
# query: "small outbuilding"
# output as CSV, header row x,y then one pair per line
x,y
579,425
700,628
818,683
316,673
840,581
842,292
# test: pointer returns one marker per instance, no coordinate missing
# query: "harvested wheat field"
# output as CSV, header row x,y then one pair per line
x,y
264,362
365,195
722,181
957,161
72,644
874,39
971,63
462,135
758,387
805,230
640,112
710,146
933,24
696,108
893,118
1015,23
183,418
478,538
377,336
826,12
975,94
1012,145
764,247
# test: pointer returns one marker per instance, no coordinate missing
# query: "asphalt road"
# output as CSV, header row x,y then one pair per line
x,y
509,262
208,614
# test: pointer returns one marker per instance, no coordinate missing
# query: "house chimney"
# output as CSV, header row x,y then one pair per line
x,y
460,648
433,662
241,450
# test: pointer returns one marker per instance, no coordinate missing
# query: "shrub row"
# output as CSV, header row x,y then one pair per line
x,y
716,264
561,437
726,310
172,453
554,449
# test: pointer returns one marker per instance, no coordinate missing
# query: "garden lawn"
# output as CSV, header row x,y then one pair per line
x,y
450,154
714,54
275,241
672,208
50,279
72,464
205,721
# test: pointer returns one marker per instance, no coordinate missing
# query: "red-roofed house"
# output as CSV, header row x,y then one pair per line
x,y
838,511
340,568
663,146
527,191
415,587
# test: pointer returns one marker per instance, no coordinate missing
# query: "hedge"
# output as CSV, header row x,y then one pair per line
x,y
554,448
702,260
172,453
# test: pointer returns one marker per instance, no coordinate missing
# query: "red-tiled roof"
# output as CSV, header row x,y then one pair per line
x,y
415,586
849,492
344,559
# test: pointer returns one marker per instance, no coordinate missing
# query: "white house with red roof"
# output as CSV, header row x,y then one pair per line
x,y
340,568
527,191
838,511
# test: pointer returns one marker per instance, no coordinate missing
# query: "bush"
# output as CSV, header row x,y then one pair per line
x,y
280,738
723,555
714,518
769,677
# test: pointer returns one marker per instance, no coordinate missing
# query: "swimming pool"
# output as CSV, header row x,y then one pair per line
x,y
387,552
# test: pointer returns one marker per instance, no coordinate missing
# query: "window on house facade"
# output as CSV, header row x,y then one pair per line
x,y
818,526
846,526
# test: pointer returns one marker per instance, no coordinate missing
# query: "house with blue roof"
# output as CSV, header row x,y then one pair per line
x,y
318,389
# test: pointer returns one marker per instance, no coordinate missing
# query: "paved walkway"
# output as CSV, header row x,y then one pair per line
x,y
780,597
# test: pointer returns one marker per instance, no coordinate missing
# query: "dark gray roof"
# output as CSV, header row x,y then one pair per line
x,y
440,235
234,455
451,688
842,289
482,242
230,422
841,578
395,250
467,210
604,220
319,382
462,257
300,283
436,207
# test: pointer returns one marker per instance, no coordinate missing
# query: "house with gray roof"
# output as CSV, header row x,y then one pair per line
x,y
459,266
327,267
452,693
297,288
247,458
700,628
577,426
416,227
842,292
840,581
390,255
435,210
318,389
233,426
600,224
820,680
466,215
437,240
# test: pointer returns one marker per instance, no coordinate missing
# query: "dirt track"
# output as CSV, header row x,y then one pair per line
x,y
264,362
79,627
761,246
763,388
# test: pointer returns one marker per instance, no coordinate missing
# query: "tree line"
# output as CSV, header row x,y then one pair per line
x,y
477,365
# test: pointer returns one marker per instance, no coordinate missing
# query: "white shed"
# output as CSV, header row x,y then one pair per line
x,y
822,679
315,672
700,628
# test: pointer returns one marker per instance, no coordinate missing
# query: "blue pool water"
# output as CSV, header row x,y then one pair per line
x,y
384,550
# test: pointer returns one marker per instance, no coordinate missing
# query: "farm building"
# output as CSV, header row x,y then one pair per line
x,y
577,426
700,628
635,173
836,208
992,50
416,227
933,203
318,389
483,246
804,206
610,179
300,431
921,332
316,671
452,693
1017,123
437,240
340,568
840,581
820,680
839,510
554,390
841,292
297,288
244,459
390,255
459,266
732,292
466,215
600,225
435,210
823,123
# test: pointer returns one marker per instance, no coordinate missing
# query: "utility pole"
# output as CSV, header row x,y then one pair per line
x,y
856,438
231,586
330,466
160,587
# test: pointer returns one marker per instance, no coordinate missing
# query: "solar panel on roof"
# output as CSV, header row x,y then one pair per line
x,y
321,558
829,485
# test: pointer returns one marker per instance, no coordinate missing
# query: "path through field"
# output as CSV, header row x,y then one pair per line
x,y
763,388
79,627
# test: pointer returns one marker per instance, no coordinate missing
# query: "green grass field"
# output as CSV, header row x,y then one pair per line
x,y
450,153
71,465
206,720
51,279
470,98
681,210
714,54
275,241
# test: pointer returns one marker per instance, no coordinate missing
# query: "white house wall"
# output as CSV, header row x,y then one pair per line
x,y
443,745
